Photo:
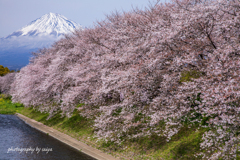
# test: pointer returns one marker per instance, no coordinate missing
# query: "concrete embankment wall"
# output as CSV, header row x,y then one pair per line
x,y
66,139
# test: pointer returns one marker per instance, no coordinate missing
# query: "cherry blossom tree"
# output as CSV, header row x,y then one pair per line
x,y
5,83
129,69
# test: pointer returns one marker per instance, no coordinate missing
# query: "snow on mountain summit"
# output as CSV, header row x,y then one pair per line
x,y
16,48
49,24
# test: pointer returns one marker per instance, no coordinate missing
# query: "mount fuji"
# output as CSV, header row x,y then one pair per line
x,y
16,48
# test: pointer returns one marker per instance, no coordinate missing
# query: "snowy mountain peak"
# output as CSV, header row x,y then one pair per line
x,y
49,24
15,49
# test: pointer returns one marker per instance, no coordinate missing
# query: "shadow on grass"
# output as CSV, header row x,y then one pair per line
x,y
189,145
75,123
183,146
186,150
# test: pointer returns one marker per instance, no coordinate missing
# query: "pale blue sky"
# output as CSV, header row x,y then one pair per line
x,y
15,14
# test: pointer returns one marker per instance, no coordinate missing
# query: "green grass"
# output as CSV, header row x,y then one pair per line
x,y
187,76
76,126
182,146
7,107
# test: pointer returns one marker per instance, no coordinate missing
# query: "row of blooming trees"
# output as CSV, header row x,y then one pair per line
x,y
128,72
5,82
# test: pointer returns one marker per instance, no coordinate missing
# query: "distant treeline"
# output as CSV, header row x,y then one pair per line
x,y
5,70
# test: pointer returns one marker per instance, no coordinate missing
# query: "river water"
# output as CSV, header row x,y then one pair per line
x,y
19,141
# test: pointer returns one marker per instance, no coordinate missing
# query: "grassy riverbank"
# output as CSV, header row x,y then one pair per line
x,y
7,107
183,145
